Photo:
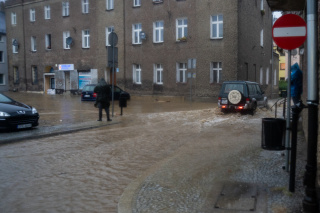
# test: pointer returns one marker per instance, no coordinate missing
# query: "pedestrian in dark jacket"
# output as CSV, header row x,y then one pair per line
x,y
103,98
296,83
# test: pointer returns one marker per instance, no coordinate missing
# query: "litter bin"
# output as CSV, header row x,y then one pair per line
x,y
122,102
273,134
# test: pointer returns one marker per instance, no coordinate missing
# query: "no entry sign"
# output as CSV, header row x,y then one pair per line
x,y
289,31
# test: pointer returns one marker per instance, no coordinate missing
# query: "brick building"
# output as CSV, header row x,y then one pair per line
x,y
230,40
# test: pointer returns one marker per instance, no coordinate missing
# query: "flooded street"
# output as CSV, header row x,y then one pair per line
x,y
88,171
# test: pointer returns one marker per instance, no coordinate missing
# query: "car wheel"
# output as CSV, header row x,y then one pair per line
x,y
234,96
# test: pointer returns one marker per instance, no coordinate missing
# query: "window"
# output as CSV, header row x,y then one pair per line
x,y
1,57
85,39
48,41
158,73
85,6
2,80
216,72
261,75
66,34
32,15
136,29
52,83
217,27
47,12
158,32
136,74
65,8
261,38
1,38
136,3
14,46
181,28
108,31
267,76
33,44
157,1
282,66
15,75
110,4
261,4
181,72
13,18
34,72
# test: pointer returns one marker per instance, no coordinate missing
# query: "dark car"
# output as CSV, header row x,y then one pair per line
x,y
241,96
87,93
16,115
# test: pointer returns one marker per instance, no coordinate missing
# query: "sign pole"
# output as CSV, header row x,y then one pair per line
x,y
288,130
112,74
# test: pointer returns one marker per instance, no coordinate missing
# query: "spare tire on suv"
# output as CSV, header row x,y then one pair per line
x,y
234,96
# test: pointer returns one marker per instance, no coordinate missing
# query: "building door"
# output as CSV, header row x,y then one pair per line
x,y
67,81
52,83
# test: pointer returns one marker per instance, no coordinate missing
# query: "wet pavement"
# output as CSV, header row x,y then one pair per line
x,y
163,155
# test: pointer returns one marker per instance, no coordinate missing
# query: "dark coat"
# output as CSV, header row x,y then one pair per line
x,y
103,93
296,81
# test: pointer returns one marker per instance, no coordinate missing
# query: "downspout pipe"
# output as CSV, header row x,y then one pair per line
x,y
310,201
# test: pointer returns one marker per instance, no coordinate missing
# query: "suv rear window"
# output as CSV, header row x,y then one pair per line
x,y
228,87
88,88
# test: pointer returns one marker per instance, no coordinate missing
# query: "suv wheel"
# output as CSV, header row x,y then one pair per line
x,y
234,96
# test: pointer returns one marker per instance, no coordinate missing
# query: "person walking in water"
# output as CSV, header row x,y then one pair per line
x,y
103,98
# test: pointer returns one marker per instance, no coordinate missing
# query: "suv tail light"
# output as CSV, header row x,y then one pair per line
x,y
247,100
94,95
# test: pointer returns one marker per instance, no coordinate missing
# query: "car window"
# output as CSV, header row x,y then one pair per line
x,y
117,89
229,87
88,88
4,99
258,89
252,89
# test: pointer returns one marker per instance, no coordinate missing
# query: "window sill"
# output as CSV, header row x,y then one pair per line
x,y
109,9
136,6
139,44
220,38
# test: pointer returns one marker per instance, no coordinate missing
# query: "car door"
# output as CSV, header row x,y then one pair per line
x,y
252,92
259,96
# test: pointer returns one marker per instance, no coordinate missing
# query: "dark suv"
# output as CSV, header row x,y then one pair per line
x,y
241,95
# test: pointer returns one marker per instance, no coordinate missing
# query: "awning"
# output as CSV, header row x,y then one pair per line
x,y
286,5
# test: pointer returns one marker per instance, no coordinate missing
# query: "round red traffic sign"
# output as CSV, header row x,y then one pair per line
x,y
289,31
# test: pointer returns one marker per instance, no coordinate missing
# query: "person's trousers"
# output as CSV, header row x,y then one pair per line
x,y
100,112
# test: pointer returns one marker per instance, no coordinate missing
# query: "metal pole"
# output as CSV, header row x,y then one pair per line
x,y
288,112
113,72
310,201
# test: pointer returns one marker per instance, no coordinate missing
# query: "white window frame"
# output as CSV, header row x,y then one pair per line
x,y
33,44
108,31
136,73
3,79
216,24
158,70
47,12
267,76
85,38
183,27
261,75
261,38
181,71
66,34
136,29
14,18
14,48
85,6
216,70
16,77
65,8
136,3
158,28
32,15
261,5
48,41
109,4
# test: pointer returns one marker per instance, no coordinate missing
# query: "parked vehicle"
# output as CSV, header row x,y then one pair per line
x,y
87,93
241,96
16,115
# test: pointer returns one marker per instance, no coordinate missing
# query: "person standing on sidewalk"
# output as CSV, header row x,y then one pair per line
x,y
296,83
103,98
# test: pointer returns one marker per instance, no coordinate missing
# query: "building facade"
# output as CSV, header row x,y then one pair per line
x,y
3,55
63,44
